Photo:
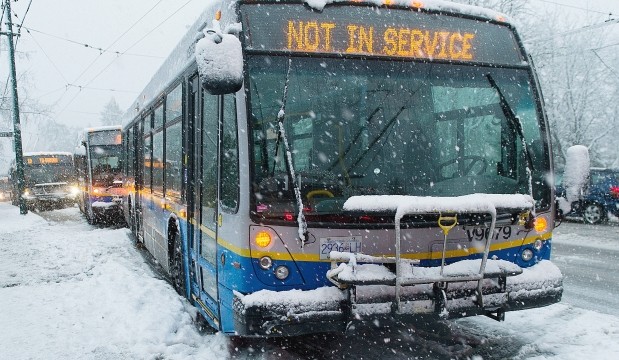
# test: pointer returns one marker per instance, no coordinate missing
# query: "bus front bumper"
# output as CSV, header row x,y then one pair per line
x,y
330,309
107,209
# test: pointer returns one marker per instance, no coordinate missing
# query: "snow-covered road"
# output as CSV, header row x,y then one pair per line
x,y
69,290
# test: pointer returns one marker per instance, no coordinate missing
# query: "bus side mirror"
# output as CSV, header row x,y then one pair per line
x,y
575,176
220,62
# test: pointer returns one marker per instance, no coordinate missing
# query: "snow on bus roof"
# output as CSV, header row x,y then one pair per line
x,y
433,5
179,59
103,128
47,153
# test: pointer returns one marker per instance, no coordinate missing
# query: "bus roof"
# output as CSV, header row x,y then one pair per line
x,y
48,153
103,128
430,5
182,56
178,61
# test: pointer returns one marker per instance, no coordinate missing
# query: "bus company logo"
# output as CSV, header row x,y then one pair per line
x,y
314,36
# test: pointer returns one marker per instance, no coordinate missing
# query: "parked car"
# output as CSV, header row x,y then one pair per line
x,y
600,198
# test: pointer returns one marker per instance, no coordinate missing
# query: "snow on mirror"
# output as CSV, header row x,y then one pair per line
x,y
575,177
220,62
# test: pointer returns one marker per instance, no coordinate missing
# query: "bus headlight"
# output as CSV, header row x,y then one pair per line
x,y
281,272
266,262
538,244
527,255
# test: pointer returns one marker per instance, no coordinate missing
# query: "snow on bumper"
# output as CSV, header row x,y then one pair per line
x,y
105,208
330,309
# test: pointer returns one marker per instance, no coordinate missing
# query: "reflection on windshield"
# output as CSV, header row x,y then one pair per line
x,y
396,128
106,166
46,174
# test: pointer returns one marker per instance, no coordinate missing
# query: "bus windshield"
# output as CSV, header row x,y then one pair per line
x,y
47,174
105,163
361,127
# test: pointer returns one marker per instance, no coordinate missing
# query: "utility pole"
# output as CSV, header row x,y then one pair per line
x,y
19,159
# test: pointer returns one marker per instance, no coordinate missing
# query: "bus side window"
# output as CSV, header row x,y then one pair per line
x,y
229,156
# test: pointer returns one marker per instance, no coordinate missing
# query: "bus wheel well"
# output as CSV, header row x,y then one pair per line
x,y
172,232
175,258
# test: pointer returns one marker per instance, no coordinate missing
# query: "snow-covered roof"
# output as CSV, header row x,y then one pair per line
x,y
103,128
47,153
179,59
433,5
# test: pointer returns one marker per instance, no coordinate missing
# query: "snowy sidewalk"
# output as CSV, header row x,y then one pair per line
x,y
72,291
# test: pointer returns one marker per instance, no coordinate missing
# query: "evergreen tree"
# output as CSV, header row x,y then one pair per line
x,y
111,114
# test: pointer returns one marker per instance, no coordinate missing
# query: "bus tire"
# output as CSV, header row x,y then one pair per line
x,y
91,220
177,270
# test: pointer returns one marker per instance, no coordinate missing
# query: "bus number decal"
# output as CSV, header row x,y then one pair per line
x,y
479,234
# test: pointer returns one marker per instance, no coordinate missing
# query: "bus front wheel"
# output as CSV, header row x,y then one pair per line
x,y
176,265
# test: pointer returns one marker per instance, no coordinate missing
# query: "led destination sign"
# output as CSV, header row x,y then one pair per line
x,y
47,159
360,30
313,36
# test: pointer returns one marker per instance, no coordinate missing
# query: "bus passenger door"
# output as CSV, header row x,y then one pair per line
x,y
139,178
203,192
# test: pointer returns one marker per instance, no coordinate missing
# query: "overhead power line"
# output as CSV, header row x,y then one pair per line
x,y
575,31
129,48
112,44
139,41
47,56
576,7
22,21
88,46
101,89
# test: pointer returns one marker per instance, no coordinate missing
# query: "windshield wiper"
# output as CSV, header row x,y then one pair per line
x,y
377,139
281,135
512,118
355,138
517,125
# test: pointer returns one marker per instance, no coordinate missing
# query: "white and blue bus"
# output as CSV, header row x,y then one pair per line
x,y
98,163
298,165
49,180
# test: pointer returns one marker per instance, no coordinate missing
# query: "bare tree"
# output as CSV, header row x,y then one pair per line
x,y
580,89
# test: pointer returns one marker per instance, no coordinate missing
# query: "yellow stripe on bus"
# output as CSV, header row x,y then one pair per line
x,y
420,256
245,252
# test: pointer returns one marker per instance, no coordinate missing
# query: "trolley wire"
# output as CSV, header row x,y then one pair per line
x,y
575,31
22,21
47,56
89,66
129,48
88,46
102,89
576,7
605,64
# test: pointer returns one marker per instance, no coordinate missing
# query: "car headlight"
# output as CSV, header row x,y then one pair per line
x,y
27,192
74,190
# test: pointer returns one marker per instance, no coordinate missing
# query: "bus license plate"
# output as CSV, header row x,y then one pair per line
x,y
351,244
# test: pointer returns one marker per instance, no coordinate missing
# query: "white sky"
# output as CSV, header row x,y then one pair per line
x,y
53,63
